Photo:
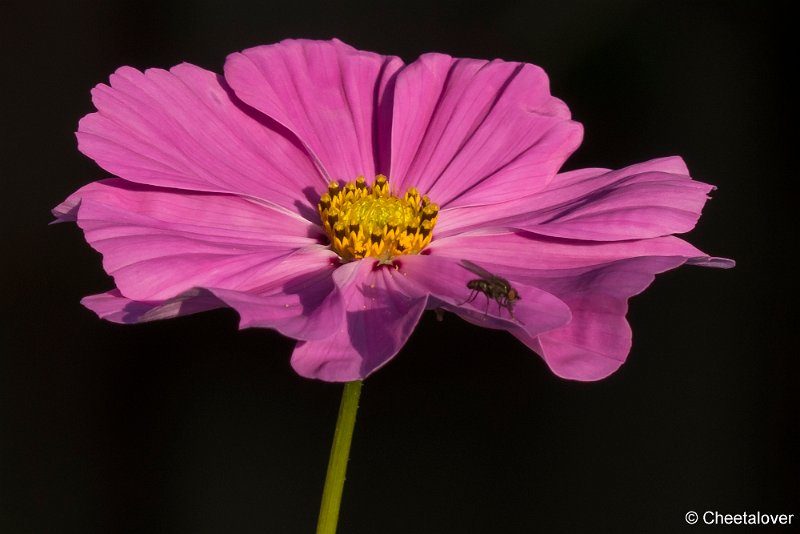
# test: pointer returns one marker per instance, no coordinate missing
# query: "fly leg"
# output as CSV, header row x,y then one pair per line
x,y
470,298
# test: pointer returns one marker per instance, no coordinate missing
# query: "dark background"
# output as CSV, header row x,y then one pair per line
x,y
191,426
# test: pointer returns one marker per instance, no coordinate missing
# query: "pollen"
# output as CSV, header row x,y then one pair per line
x,y
370,221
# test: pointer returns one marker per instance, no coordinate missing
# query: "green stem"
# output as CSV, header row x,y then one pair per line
x,y
337,464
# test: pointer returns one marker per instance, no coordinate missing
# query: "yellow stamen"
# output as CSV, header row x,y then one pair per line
x,y
363,221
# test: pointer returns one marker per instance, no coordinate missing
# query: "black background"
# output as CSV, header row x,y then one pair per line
x,y
192,426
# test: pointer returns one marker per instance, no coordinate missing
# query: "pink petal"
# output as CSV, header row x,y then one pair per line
x,y
159,243
594,279
183,129
529,254
446,280
645,200
379,320
300,300
651,199
472,132
598,339
304,306
332,96
112,306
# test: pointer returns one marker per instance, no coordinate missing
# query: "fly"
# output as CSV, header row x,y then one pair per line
x,y
494,287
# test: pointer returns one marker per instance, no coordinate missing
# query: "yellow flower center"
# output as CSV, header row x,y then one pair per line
x,y
363,220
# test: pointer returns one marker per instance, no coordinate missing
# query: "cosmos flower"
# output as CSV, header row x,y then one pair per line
x,y
334,195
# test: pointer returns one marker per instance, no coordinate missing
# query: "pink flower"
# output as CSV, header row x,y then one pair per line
x,y
224,196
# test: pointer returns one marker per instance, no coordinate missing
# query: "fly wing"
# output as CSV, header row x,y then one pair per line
x,y
477,269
